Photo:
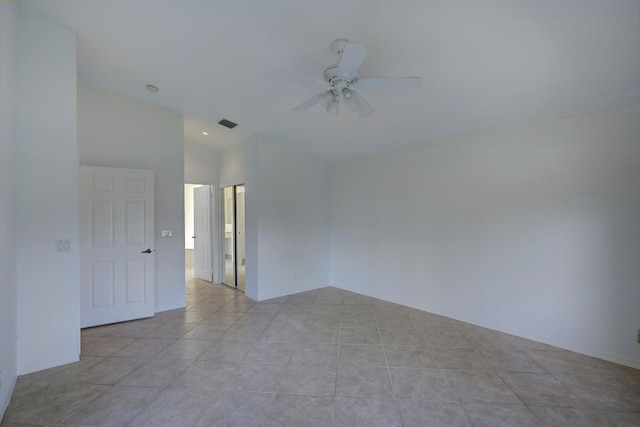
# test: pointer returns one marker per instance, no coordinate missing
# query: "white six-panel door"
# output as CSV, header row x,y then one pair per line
x,y
202,256
116,244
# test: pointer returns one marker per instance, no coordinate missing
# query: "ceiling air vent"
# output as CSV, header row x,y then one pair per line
x,y
227,123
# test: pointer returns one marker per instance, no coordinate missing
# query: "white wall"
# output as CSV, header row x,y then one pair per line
x,y
117,131
239,165
47,194
8,285
287,216
293,220
531,229
200,164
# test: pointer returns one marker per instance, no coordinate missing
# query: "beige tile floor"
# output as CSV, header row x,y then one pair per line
x,y
325,357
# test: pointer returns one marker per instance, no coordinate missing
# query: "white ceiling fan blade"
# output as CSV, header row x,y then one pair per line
x,y
308,104
351,59
404,83
362,107
311,102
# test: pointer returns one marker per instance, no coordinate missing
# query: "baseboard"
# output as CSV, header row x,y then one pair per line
x,y
167,308
564,345
298,290
47,364
5,398
609,357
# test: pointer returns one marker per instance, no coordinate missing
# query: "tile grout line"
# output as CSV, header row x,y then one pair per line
x,y
444,377
516,395
380,318
386,361
335,387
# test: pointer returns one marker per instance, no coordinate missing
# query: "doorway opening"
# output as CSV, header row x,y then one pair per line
x,y
233,213
198,232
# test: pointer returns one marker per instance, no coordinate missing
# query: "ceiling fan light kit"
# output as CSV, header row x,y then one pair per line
x,y
330,102
344,82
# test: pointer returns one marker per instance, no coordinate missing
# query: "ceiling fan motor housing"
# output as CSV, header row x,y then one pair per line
x,y
332,76
339,83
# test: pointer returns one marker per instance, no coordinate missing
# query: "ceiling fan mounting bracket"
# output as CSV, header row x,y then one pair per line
x,y
338,46
332,77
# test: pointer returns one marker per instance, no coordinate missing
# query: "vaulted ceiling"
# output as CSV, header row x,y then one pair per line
x,y
482,63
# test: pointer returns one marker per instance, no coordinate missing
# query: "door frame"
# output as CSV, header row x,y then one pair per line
x,y
112,191
219,277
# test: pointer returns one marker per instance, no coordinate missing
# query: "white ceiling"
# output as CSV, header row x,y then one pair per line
x,y
482,63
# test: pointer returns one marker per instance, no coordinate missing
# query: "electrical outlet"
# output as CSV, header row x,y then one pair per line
x,y
63,245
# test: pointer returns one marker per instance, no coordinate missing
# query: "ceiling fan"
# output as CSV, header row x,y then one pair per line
x,y
344,82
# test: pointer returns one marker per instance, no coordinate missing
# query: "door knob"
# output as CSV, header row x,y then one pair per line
x,y
148,251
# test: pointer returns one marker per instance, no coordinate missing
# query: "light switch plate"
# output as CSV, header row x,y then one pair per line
x,y
63,245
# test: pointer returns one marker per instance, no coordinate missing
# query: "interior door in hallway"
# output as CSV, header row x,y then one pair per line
x,y
117,259
202,256
233,214
239,235
229,241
